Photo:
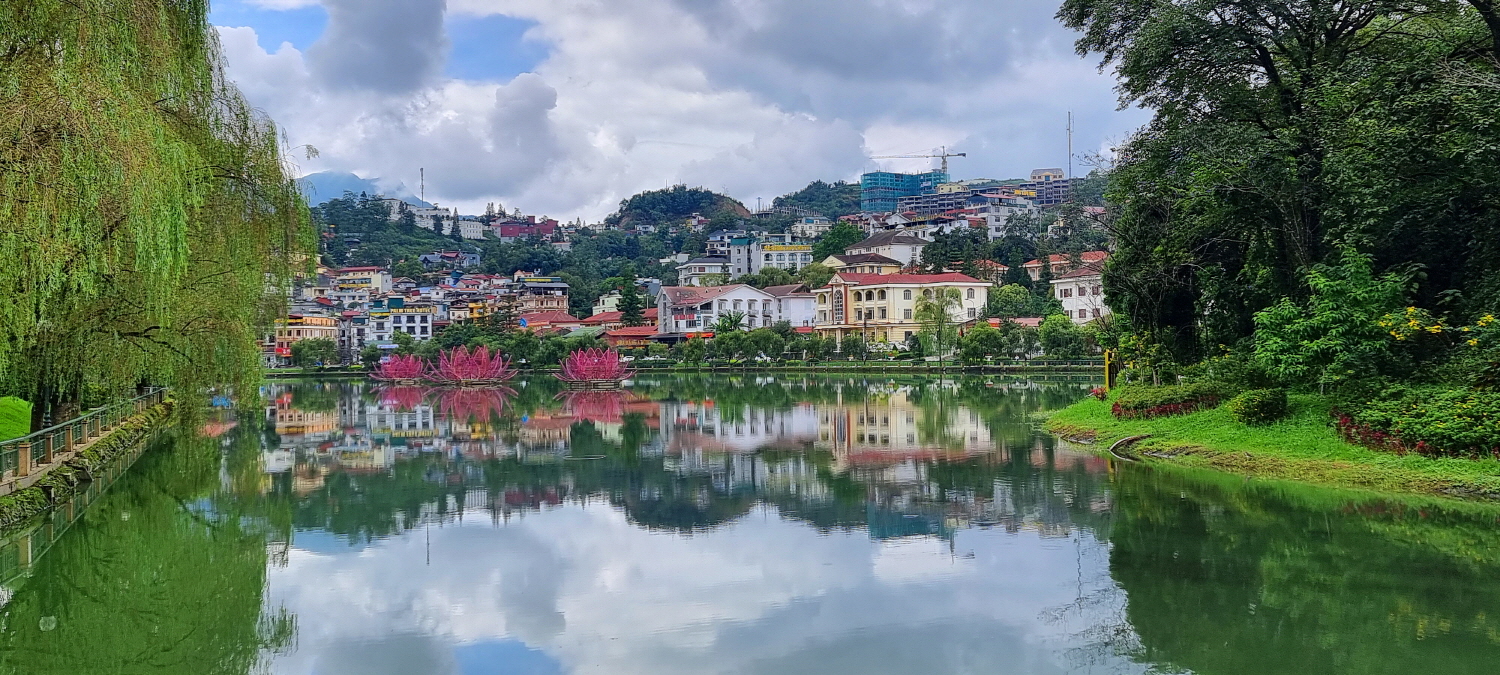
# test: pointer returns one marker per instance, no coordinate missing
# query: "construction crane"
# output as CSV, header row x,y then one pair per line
x,y
943,154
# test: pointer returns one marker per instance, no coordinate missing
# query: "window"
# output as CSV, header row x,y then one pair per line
x,y
822,316
822,299
1083,314
1096,312
882,312
859,296
906,294
1094,291
971,297
927,293
882,295
1067,292
906,314
972,313
908,337
768,257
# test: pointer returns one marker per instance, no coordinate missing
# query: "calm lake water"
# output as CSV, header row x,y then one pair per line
x,y
729,525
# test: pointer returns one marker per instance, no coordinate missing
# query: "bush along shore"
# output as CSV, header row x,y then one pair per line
x,y
65,481
1266,433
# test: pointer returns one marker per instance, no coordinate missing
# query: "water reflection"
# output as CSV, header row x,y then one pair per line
x,y
746,525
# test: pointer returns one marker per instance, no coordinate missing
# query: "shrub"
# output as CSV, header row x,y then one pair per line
x,y
1259,406
1099,393
1433,421
1145,402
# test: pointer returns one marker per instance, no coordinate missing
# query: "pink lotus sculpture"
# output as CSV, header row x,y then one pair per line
x,y
398,368
463,366
594,368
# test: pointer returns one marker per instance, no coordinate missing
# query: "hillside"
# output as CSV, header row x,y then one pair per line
x,y
828,199
325,185
659,207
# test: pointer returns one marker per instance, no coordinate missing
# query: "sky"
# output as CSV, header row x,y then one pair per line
x,y
580,589
565,107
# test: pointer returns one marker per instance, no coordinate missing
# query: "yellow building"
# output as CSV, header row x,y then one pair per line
x,y
882,307
296,328
862,263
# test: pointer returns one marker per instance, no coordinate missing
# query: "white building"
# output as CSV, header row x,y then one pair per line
x,y
1081,292
811,227
694,272
899,245
690,309
795,304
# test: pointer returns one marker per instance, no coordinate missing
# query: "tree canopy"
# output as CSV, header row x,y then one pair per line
x,y
1286,131
148,223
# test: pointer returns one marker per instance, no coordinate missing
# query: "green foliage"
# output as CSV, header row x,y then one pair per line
x,y
853,347
1336,334
148,223
729,322
982,343
836,239
828,199
632,304
370,356
935,314
1441,419
674,204
316,351
767,277
766,342
1062,339
693,351
1259,406
1347,124
815,275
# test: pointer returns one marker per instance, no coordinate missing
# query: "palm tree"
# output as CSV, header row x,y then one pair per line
x,y
729,322
934,311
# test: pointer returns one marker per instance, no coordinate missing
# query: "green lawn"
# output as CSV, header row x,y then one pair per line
x,y
1304,447
15,417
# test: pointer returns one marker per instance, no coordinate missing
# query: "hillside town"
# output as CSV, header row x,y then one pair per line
x,y
867,290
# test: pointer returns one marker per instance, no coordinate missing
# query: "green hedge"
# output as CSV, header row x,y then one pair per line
x,y
1143,401
1259,406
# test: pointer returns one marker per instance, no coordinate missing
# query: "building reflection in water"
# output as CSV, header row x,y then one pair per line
x,y
916,459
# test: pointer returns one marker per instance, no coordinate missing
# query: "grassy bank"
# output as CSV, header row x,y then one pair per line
x,y
15,418
1303,448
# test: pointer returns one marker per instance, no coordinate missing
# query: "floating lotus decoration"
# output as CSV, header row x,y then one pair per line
x,y
462,366
594,369
396,368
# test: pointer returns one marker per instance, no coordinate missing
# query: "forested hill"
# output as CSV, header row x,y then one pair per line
x,y
827,199
660,207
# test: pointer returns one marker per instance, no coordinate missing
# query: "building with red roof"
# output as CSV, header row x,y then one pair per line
x,y
632,337
1062,264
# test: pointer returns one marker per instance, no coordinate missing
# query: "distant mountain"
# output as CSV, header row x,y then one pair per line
x,y
325,185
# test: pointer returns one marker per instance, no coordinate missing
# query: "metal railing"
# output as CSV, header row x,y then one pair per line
x,y
19,456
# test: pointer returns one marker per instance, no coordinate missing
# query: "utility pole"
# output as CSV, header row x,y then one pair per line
x,y
1070,144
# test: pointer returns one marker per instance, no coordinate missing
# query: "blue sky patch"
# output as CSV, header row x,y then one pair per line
x,y
491,47
301,26
504,657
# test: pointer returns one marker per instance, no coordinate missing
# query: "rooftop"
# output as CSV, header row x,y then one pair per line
x,y
888,238
878,279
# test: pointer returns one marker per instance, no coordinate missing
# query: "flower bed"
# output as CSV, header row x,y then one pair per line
x,y
1145,402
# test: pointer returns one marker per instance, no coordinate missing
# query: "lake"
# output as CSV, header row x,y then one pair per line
x,y
717,524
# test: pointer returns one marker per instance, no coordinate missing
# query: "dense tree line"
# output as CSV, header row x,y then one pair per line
x,y
148,222
1292,135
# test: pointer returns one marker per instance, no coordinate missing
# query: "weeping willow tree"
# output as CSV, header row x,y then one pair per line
x,y
149,226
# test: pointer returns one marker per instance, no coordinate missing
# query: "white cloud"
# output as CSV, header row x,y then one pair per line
x,y
754,96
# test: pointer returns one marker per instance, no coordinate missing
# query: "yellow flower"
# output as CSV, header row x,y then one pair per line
x,y
1487,320
1473,343
1435,329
